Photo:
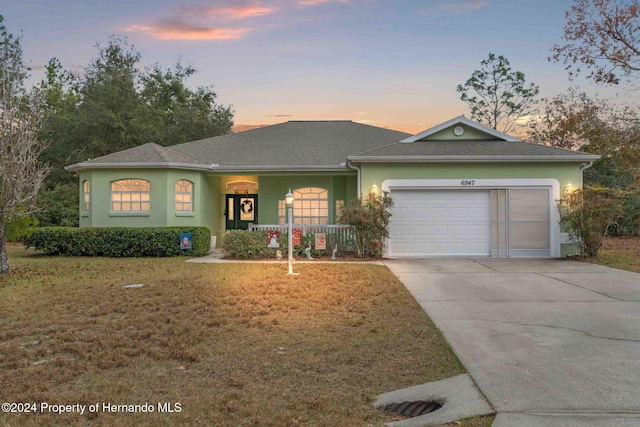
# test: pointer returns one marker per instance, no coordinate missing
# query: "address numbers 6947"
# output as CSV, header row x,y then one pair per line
x,y
467,182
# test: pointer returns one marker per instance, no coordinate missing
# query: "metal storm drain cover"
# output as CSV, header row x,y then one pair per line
x,y
414,409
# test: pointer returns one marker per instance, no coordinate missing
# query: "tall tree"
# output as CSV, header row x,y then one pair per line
x,y
111,116
21,118
570,120
576,121
497,96
604,37
179,113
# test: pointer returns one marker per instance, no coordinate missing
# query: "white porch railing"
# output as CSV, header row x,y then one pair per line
x,y
340,230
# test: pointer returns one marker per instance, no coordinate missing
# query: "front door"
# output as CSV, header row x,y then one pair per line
x,y
241,209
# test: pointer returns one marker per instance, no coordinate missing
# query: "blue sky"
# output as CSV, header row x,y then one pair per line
x,y
389,63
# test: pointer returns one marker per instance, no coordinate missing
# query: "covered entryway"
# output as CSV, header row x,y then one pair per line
x,y
441,223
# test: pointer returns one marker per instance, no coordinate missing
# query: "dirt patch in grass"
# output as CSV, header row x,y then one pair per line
x,y
621,252
219,344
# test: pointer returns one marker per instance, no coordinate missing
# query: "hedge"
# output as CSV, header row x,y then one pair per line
x,y
119,241
244,244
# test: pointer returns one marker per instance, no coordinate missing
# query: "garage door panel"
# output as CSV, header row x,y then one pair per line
x,y
442,223
417,230
438,213
401,230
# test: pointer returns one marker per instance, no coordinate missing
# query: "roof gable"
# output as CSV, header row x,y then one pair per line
x,y
460,128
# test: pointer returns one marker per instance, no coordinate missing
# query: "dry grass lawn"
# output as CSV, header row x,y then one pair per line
x,y
620,252
231,344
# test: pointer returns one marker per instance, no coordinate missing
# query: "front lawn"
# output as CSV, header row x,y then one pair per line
x,y
621,252
217,344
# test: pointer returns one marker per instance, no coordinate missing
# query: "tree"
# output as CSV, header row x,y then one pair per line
x,y
570,120
21,118
179,113
498,96
603,36
111,115
576,121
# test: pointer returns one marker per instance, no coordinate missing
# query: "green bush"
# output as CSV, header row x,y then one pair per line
x,y
588,213
119,241
244,244
368,220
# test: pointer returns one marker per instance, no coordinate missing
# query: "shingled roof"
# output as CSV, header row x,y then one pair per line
x,y
294,145
329,145
484,145
147,154
486,150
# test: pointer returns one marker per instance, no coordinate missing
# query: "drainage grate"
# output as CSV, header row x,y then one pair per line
x,y
414,409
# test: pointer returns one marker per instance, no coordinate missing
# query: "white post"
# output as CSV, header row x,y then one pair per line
x,y
289,203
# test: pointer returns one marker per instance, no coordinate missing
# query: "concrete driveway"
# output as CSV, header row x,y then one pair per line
x,y
548,342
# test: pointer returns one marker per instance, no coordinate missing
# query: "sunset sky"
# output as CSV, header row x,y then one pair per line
x,y
388,63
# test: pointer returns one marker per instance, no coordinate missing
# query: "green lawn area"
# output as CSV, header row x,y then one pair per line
x,y
226,344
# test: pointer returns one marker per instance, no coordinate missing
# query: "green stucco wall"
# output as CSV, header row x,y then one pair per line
x,y
162,211
469,134
376,173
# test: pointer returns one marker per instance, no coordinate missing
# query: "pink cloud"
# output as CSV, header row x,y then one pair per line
x,y
197,22
175,29
203,22
231,12
317,2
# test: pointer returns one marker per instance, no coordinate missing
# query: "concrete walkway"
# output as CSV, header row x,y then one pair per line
x,y
548,342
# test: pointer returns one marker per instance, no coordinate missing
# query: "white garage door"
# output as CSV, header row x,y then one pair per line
x,y
440,223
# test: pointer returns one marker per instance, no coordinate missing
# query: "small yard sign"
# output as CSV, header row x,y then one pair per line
x,y
321,241
185,241
273,239
296,236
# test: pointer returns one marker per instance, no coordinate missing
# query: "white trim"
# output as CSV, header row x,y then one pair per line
x,y
466,183
496,158
460,120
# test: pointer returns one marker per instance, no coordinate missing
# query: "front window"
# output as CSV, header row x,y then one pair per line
x,y
311,206
86,196
184,196
131,195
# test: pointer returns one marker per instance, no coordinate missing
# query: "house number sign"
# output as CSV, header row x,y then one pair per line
x,y
467,182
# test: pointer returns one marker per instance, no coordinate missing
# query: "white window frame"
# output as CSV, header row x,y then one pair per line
x,y
181,194
136,193
310,206
86,196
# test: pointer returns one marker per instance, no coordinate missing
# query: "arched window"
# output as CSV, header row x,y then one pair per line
x,y
131,195
311,206
86,196
184,196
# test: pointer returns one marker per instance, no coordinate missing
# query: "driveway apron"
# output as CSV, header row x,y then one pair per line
x,y
549,342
